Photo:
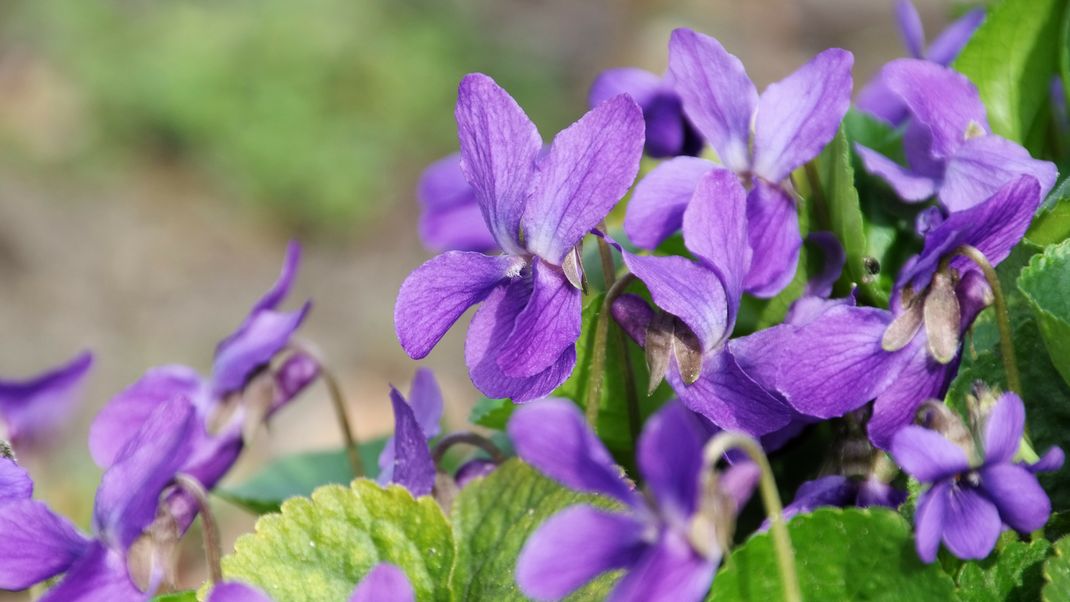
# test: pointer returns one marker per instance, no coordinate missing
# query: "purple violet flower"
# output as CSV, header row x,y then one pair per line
x,y
950,150
845,356
34,409
668,543
762,139
406,458
974,492
450,217
38,544
842,492
668,131
384,583
876,99
521,341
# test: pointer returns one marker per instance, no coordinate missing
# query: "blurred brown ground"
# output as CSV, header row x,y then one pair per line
x,y
155,266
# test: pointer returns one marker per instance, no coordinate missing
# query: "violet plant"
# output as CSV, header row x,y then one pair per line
x,y
779,302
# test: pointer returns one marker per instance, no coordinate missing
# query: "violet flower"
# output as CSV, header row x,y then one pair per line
x,y
668,131
32,410
876,99
973,492
689,344
843,492
846,355
950,150
384,583
668,543
38,544
450,217
761,139
521,341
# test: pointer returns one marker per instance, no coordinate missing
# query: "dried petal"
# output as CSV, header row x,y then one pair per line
x,y
688,352
659,338
902,330
942,317
573,268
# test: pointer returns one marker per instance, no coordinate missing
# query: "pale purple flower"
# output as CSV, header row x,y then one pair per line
x,y
38,544
384,583
950,149
876,99
667,544
762,139
450,217
32,410
973,492
668,131
521,341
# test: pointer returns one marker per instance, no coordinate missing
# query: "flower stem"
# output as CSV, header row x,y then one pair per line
x,y
213,549
712,454
470,438
1006,343
339,403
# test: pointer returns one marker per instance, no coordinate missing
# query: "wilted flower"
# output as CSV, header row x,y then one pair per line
x,y
668,131
33,409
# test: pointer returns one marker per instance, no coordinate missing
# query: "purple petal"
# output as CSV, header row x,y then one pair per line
x,y
384,583
264,334
873,492
686,290
827,491
876,99
656,209
413,467
573,547
971,524
435,295
800,114
281,288
730,398
668,570
715,229
130,489
940,99
634,315
773,231
926,455
834,259
985,164
100,575
499,147
547,326
120,420
640,84
15,483
738,482
1004,428
490,327
910,27
929,521
451,218
37,544
426,400
670,459
237,592
1021,501
553,436
472,470
908,185
591,165
668,132
33,409
718,96
950,42
296,373
921,378
1051,461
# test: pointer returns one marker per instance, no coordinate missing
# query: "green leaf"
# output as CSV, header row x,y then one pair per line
x,y
492,413
1057,573
1045,282
1012,573
297,475
493,518
187,596
1052,223
1011,59
849,554
319,548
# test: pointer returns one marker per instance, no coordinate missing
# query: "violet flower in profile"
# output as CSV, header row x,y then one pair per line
x,y
669,132
950,149
875,98
521,341
406,459
847,356
38,544
668,545
384,583
450,217
33,409
973,492
762,139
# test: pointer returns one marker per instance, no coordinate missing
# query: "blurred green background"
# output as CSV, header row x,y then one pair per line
x,y
155,155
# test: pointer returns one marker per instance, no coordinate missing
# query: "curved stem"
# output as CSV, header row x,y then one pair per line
x,y
1006,343
213,549
339,403
469,438
712,454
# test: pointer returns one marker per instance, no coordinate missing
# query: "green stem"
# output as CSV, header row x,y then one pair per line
x,y
334,391
470,438
813,179
213,549
712,454
631,392
1006,342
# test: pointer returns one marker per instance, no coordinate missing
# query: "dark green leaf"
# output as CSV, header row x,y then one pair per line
x,y
1011,573
1057,573
492,413
1045,282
